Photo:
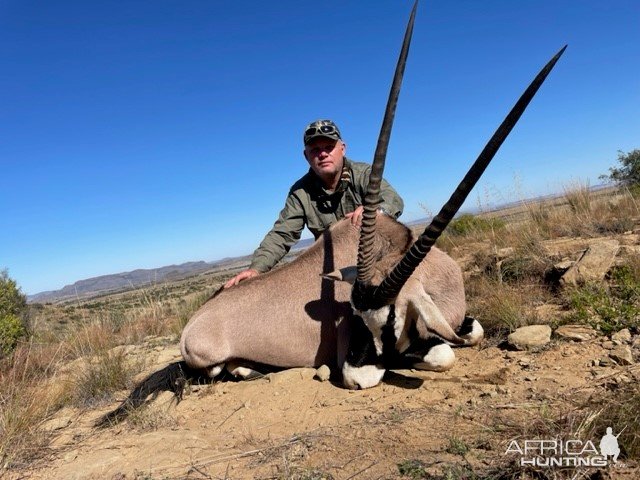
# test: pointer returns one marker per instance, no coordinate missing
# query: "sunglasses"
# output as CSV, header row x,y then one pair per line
x,y
324,129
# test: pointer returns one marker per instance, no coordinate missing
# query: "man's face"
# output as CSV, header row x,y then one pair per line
x,y
325,156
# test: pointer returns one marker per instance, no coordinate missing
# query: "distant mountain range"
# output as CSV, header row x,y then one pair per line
x,y
123,281
139,278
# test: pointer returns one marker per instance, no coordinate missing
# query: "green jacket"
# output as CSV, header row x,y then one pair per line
x,y
308,203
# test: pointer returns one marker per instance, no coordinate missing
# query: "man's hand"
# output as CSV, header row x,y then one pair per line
x,y
356,216
250,273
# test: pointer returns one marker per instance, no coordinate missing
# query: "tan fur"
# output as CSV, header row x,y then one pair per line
x,y
292,317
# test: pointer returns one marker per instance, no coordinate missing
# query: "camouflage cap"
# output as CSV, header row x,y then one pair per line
x,y
321,128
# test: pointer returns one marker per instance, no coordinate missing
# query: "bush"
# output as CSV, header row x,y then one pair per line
x,y
629,171
12,307
466,224
11,330
609,308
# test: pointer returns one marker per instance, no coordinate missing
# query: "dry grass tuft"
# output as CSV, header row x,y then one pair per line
x,y
501,308
97,378
27,398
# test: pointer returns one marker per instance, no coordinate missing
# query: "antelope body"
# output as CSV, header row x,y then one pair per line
x,y
291,317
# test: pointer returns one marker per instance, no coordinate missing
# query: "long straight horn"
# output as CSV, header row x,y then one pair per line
x,y
388,290
372,197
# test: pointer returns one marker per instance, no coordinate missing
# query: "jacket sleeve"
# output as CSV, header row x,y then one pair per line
x,y
392,204
284,234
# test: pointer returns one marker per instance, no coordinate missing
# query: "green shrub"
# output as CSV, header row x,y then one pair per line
x,y
628,172
11,330
611,307
468,224
13,305
12,301
414,469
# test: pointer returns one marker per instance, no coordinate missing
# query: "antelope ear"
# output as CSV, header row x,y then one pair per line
x,y
346,274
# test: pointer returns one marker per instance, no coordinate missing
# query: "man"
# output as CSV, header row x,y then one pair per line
x,y
334,188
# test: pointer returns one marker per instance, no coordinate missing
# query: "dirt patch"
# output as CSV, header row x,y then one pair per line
x,y
289,425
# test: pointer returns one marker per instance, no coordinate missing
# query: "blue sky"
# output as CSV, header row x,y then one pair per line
x,y
142,134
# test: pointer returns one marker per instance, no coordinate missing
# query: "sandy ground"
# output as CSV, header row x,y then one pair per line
x,y
290,425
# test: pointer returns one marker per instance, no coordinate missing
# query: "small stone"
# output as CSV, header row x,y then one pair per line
x,y
636,342
622,355
608,345
502,390
524,362
577,333
530,337
623,336
323,373
56,424
605,362
563,265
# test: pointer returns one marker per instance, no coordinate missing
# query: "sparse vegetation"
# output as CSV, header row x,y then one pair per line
x,y
413,469
468,224
457,446
611,306
76,357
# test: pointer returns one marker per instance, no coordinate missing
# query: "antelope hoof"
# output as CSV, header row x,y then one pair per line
x,y
366,376
241,371
215,370
439,359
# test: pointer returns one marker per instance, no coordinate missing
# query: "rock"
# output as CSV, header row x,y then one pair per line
x,y
502,390
636,342
529,337
57,423
623,336
605,362
608,345
490,394
578,333
323,373
621,355
524,362
594,263
564,265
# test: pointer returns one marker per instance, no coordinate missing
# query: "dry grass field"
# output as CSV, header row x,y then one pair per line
x,y
83,358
